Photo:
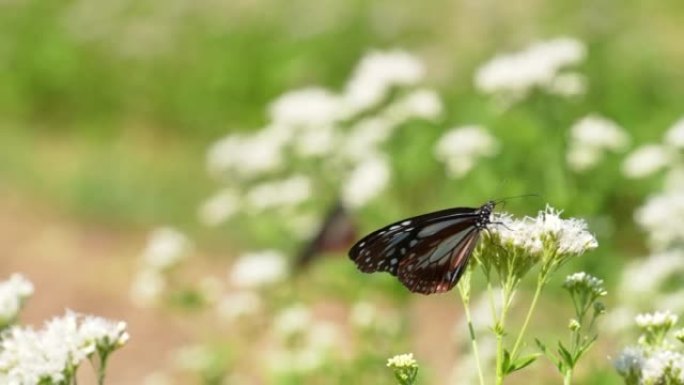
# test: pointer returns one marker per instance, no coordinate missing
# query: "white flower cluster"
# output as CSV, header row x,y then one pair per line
x,y
166,248
663,217
513,76
51,355
461,147
651,158
658,319
547,233
590,137
340,133
650,367
304,343
583,282
13,293
402,361
257,269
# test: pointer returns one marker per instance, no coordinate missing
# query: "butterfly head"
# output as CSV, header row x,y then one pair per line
x,y
485,214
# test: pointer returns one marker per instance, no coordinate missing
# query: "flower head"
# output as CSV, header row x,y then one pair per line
x,y
258,269
645,161
583,282
13,294
461,147
655,326
515,75
590,136
405,368
519,244
366,181
165,248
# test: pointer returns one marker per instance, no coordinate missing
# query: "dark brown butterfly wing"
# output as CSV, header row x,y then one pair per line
x,y
428,253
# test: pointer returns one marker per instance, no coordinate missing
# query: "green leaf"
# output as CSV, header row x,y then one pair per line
x,y
506,361
565,355
523,362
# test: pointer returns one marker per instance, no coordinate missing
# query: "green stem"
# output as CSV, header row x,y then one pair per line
x,y
473,340
518,341
567,378
500,327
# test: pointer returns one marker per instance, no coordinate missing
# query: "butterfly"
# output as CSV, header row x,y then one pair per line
x,y
427,253
335,234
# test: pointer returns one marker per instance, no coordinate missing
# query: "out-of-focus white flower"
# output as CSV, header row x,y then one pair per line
x,y
249,155
295,319
568,84
377,73
460,148
363,314
166,247
422,103
645,161
309,107
235,305
366,181
515,75
258,269
157,378
13,293
288,192
662,216
663,367
590,136
664,319
220,207
675,135
194,357
630,362
635,283
364,139
51,354
315,142
148,285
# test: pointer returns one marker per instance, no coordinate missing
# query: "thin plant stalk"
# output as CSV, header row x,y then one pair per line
x,y
471,332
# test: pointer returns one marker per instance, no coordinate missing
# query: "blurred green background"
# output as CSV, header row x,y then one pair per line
x,y
107,107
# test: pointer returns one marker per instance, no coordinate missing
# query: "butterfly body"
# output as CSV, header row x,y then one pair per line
x,y
427,253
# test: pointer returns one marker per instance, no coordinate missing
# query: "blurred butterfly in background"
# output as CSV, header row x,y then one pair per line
x,y
429,252
336,234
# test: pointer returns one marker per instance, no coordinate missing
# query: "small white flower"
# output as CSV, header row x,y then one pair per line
x,y
235,305
568,84
656,320
363,314
148,285
590,136
663,217
365,182
219,208
660,267
258,269
402,361
460,148
377,73
288,192
662,366
166,247
249,155
421,103
645,161
364,139
13,293
515,75
309,108
316,142
295,319
583,281
630,362
675,135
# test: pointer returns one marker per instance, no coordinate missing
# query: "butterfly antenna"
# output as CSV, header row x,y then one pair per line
x,y
503,200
